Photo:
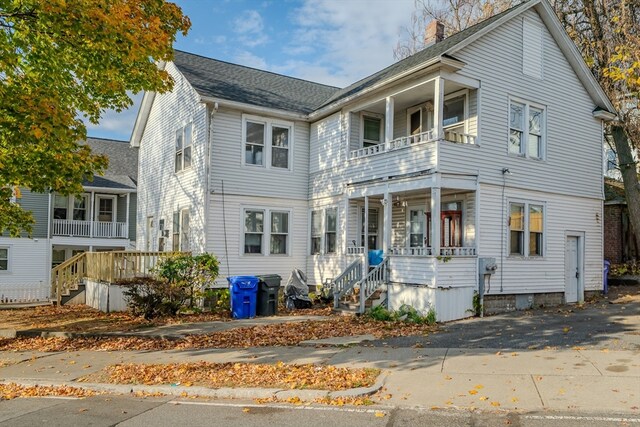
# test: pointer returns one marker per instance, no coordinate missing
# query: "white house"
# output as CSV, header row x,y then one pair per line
x,y
484,147
102,218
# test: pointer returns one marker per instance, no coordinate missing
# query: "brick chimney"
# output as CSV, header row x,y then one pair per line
x,y
434,33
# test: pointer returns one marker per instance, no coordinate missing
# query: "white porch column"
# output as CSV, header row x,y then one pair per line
x,y
365,227
127,217
388,120
92,213
435,220
438,106
386,229
346,227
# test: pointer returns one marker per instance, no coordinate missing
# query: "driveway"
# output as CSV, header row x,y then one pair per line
x,y
603,324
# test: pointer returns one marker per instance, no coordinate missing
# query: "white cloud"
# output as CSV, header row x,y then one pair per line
x,y
211,40
250,60
352,39
250,28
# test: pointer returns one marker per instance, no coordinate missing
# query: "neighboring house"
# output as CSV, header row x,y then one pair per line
x,y
102,218
487,144
619,242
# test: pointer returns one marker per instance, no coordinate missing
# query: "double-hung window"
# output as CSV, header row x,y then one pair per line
x,y
253,231
526,129
184,230
4,259
526,229
324,231
184,145
279,232
371,130
267,143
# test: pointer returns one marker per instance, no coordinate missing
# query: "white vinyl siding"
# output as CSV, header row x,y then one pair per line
x,y
532,54
161,192
28,266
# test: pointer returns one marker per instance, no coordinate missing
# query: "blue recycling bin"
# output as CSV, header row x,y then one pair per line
x,y
605,279
375,257
244,291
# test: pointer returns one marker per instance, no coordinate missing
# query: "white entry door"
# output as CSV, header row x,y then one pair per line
x,y
572,271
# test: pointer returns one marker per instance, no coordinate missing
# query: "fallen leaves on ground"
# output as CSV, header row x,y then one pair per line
x,y
217,375
280,334
336,401
13,390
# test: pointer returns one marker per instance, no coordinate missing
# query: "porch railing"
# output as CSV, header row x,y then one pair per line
x,y
376,278
458,251
76,228
346,280
412,251
396,144
407,141
355,250
68,276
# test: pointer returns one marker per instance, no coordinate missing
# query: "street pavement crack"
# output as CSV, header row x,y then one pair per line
x,y
537,390
443,359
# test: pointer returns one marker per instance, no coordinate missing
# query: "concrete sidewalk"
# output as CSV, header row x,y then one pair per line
x,y
483,379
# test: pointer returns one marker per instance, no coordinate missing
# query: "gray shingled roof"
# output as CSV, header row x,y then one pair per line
x,y
123,164
219,79
418,58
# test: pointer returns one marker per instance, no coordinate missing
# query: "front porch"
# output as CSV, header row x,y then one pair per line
x,y
394,243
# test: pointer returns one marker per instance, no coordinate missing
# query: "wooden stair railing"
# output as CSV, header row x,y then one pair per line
x,y
376,278
68,276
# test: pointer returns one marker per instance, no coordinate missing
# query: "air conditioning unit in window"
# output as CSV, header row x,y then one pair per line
x,y
165,233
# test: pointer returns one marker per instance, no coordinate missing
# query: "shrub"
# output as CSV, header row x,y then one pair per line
x,y
220,299
380,313
189,275
150,297
405,313
631,268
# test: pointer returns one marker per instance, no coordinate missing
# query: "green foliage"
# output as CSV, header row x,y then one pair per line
x,y
191,274
477,305
62,61
406,313
150,297
631,268
220,299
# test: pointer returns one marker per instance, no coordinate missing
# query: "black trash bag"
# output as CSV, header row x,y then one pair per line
x,y
296,292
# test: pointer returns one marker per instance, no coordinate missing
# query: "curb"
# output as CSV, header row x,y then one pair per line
x,y
221,393
12,333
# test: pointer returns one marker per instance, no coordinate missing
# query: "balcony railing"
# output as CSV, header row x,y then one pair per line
x,y
408,141
426,251
101,229
355,250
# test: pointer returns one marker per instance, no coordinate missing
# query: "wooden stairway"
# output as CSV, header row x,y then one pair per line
x,y
353,293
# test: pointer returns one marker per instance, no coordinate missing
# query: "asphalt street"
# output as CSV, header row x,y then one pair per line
x,y
143,412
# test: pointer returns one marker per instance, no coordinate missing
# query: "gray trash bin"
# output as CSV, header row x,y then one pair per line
x,y
268,294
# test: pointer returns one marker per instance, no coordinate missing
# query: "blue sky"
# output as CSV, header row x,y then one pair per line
x,y
334,42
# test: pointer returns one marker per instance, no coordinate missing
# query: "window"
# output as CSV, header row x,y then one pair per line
x,y
372,230
526,130
280,147
324,231
180,241
60,207
279,232
184,145
535,230
417,238
106,209
331,216
58,256
184,230
450,225
253,230
453,111
371,130
267,142
516,229
316,232
4,259
80,208
526,229
612,160
254,143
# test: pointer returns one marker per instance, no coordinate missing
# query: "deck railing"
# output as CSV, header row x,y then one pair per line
x,y
412,251
458,251
76,228
355,250
102,267
408,141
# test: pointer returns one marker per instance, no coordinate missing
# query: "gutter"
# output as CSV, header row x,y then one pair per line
x,y
216,102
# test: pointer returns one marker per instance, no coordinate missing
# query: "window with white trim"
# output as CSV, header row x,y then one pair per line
x,y
527,124
316,232
184,145
253,231
526,229
181,231
279,233
4,258
71,207
372,131
267,142
324,231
